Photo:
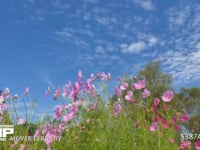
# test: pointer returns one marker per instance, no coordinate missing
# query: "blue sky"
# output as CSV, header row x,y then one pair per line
x,y
45,42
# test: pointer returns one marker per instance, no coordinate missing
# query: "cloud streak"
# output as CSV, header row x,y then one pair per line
x,y
145,4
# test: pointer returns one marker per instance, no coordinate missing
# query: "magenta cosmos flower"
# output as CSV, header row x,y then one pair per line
x,y
156,102
184,145
197,145
168,96
185,118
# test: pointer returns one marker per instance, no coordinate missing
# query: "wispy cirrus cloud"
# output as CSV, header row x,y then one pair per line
x,y
183,60
100,50
73,36
178,16
145,4
91,1
185,68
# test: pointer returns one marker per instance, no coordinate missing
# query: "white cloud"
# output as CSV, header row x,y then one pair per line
x,y
72,36
90,1
145,4
198,45
144,42
59,5
184,61
100,49
106,21
136,47
150,39
177,17
63,34
185,68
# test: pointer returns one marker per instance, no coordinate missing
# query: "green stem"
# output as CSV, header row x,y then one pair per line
x,y
14,108
26,109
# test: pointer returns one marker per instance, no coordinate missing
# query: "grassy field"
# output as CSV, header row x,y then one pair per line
x,y
90,119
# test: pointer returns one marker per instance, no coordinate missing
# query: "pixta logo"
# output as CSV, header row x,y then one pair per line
x,y
5,130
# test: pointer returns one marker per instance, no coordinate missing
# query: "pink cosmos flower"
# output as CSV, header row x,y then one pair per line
x,y
117,91
185,118
155,118
129,95
87,85
168,96
156,102
71,115
60,128
3,107
92,90
57,112
105,76
93,106
197,145
171,140
68,117
185,144
2,99
20,121
26,91
75,91
117,109
124,86
154,126
118,79
146,93
57,93
174,119
165,123
37,133
45,129
51,134
15,96
165,107
92,77
80,75
109,76
48,91
74,108
6,93
67,89
139,85
177,128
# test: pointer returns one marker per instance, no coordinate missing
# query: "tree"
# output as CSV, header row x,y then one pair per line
x,y
157,81
188,102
